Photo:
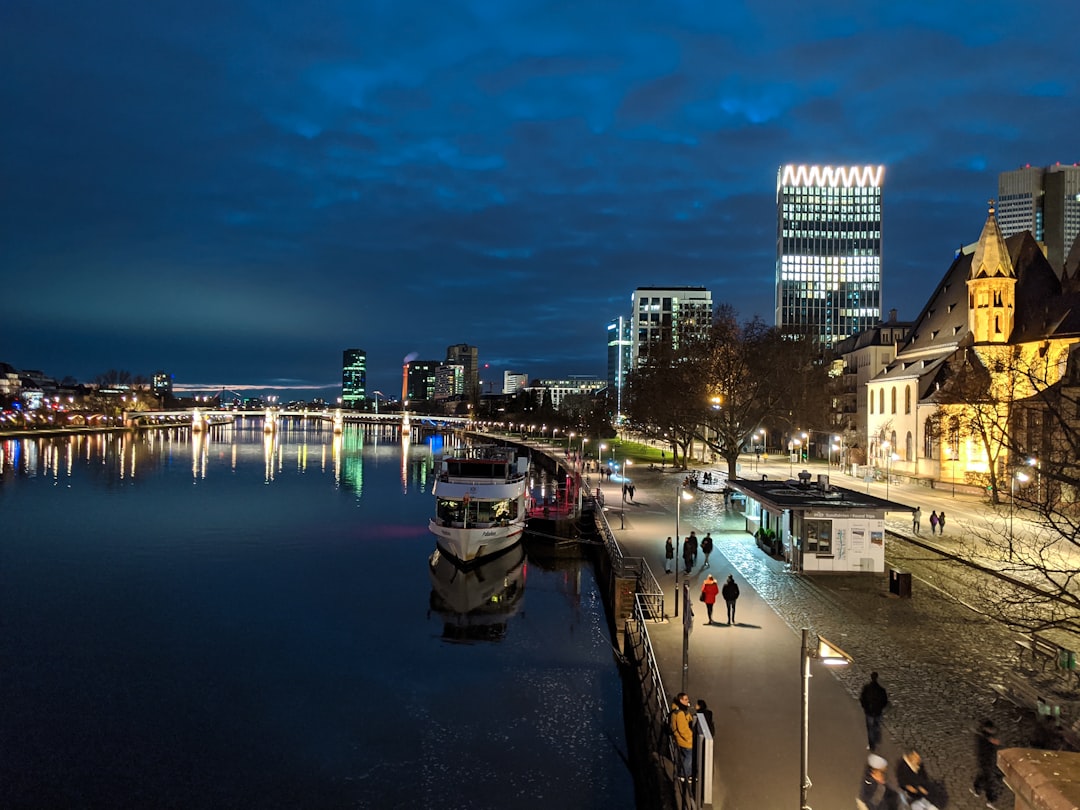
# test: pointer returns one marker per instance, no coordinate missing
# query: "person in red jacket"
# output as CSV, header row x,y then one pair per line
x,y
709,591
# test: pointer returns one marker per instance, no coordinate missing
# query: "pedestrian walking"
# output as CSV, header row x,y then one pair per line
x,y
694,546
709,591
916,516
631,488
706,548
625,491
669,555
875,793
730,592
703,710
873,700
911,778
986,773
941,522
682,728
688,555
933,522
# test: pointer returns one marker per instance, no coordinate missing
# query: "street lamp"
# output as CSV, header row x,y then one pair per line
x,y
835,446
600,454
830,655
680,495
584,439
795,444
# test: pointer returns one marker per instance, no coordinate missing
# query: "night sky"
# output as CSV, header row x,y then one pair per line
x,y
236,192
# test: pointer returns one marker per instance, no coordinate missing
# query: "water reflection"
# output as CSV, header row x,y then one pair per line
x,y
477,603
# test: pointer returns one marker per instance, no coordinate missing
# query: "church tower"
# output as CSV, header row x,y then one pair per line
x,y
991,286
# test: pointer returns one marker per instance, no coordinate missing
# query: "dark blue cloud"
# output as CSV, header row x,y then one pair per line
x,y
237,191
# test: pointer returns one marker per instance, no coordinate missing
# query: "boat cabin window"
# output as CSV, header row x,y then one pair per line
x,y
477,468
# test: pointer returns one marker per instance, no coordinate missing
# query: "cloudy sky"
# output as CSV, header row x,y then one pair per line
x,y
237,191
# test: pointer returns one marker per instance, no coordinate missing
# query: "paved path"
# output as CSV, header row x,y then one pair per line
x,y
934,655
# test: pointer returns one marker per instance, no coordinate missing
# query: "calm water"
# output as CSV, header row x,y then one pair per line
x,y
251,622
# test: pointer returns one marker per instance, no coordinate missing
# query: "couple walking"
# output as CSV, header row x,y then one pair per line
x,y
710,590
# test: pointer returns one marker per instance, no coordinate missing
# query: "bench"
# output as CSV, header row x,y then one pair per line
x,y
1038,652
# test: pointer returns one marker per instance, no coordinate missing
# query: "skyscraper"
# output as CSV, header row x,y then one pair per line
x,y
620,348
1045,201
353,377
462,354
828,250
668,316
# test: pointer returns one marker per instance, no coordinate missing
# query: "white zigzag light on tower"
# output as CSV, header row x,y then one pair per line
x,y
831,176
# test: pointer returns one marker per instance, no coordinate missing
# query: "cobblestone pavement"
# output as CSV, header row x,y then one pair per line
x,y
935,656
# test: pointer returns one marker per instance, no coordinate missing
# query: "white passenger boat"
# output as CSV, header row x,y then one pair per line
x,y
479,501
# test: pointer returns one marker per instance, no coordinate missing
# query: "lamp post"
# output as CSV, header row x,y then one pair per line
x,y
600,455
830,655
584,439
795,444
680,495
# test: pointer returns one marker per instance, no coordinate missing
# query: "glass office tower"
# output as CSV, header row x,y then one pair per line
x,y
353,377
828,250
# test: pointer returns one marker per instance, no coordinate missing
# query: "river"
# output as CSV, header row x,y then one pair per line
x,y
246,620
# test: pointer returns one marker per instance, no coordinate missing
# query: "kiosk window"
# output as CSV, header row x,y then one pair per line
x,y
819,536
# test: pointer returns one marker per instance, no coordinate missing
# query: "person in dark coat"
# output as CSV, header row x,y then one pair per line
x,y
703,710
688,555
911,777
873,700
730,592
693,541
941,522
669,555
875,793
986,746
706,548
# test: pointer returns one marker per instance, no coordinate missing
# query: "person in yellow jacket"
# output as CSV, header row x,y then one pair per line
x,y
682,729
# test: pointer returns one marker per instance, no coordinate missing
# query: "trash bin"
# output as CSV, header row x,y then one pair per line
x,y
899,582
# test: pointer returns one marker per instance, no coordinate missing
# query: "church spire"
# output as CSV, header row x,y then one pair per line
x,y
991,259
991,284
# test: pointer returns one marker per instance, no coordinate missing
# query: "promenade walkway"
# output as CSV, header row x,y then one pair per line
x,y
935,656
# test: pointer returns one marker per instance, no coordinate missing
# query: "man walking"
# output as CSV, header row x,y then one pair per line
x,y
706,548
669,555
916,516
986,746
873,700
730,592
682,729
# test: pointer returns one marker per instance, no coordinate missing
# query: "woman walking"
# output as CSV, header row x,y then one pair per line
x,y
709,591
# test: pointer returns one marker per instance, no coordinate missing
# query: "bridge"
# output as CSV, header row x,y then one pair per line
x,y
201,418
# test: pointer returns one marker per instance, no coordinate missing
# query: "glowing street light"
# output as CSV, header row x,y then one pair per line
x,y
680,495
830,655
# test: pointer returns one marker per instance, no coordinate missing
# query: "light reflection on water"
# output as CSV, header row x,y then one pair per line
x,y
241,619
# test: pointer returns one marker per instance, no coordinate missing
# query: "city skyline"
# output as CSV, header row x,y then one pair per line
x,y
236,196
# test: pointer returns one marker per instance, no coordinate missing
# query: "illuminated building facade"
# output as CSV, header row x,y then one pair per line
x,y
418,381
353,377
668,317
620,349
828,250
1045,201
468,357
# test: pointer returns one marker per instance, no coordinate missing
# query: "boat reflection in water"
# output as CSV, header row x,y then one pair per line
x,y
476,603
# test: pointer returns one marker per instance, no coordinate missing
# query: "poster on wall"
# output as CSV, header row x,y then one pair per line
x,y
858,538
877,538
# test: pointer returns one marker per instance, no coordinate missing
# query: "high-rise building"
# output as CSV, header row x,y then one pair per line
x,y
1045,201
468,357
669,317
828,250
353,377
449,381
418,381
620,351
514,381
162,383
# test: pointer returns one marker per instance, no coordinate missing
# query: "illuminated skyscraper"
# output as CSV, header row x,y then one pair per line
x,y
828,250
619,356
353,377
1045,202
468,357
668,317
